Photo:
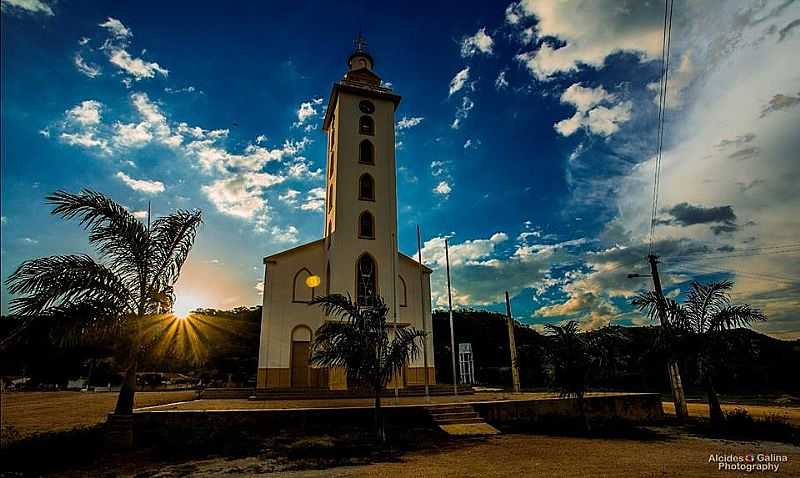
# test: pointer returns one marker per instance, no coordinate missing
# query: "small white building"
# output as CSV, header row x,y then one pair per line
x,y
358,253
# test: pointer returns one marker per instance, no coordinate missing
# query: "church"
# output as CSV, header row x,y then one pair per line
x,y
358,252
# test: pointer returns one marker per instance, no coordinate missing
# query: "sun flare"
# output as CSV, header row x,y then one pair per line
x,y
184,305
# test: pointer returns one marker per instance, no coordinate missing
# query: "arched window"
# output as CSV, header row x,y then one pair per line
x,y
366,152
300,291
366,226
330,197
366,275
366,188
366,125
402,292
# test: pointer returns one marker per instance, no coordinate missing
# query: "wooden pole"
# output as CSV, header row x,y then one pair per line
x,y
450,311
422,311
512,345
681,409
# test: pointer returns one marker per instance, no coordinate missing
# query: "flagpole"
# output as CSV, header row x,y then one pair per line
x,y
422,311
450,310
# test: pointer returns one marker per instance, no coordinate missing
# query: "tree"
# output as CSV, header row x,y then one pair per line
x,y
698,325
359,342
569,354
118,297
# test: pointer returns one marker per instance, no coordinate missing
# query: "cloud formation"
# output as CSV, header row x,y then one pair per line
x,y
480,42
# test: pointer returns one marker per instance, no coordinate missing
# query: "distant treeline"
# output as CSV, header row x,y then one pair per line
x,y
229,340
755,363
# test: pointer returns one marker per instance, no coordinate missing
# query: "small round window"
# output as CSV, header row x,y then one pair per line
x,y
366,107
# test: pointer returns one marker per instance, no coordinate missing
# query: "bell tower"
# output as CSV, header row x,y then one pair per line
x,y
361,198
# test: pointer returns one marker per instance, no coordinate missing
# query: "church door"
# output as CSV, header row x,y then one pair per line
x,y
300,373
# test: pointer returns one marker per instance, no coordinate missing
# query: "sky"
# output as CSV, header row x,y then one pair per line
x,y
527,136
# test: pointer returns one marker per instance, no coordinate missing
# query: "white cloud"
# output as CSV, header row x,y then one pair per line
x,y
501,83
116,28
462,112
242,195
407,123
132,134
138,68
443,188
140,215
597,119
290,196
584,98
314,200
28,6
86,139
679,79
87,113
590,31
287,234
458,81
480,42
467,143
88,69
141,185
307,110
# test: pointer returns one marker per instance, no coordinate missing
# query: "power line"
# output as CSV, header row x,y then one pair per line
x,y
665,45
742,253
751,275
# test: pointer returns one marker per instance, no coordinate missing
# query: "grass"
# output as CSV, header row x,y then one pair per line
x,y
25,414
791,414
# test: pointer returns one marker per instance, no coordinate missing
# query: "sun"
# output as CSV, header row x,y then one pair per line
x,y
184,305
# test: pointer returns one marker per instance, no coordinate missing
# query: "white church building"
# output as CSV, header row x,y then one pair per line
x,y
358,254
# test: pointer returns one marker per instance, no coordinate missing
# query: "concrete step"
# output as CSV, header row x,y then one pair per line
x,y
454,415
452,421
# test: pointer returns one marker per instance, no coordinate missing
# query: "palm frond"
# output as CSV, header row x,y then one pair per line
x,y
734,316
405,347
58,281
704,301
115,232
172,238
338,306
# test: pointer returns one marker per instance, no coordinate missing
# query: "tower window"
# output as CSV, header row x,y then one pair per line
x,y
366,281
330,197
366,152
366,188
366,125
366,226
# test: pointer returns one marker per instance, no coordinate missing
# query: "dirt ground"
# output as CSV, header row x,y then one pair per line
x,y
36,412
696,409
519,455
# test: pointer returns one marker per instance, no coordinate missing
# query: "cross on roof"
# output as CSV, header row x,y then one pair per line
x,y
360,43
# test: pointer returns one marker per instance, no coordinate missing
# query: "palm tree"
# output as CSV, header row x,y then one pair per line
x,y
359,343
113,298
569,354
697,326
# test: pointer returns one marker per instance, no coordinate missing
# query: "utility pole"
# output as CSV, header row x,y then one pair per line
x,y
681,410
450,310
512,345
422,311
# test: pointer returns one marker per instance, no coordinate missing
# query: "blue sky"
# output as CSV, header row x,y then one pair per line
x,y
526,135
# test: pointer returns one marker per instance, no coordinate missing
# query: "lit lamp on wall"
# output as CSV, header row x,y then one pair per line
x,y
312,281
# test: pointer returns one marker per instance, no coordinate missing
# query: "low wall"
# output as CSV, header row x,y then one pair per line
x,y
630,407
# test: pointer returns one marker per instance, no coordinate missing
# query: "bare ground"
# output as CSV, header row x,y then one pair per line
x,y
29,413
515,455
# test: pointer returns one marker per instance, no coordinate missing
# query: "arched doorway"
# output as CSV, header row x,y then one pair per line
x,y
301,346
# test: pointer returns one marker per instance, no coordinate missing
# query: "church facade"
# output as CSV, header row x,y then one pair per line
x,y
358,253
